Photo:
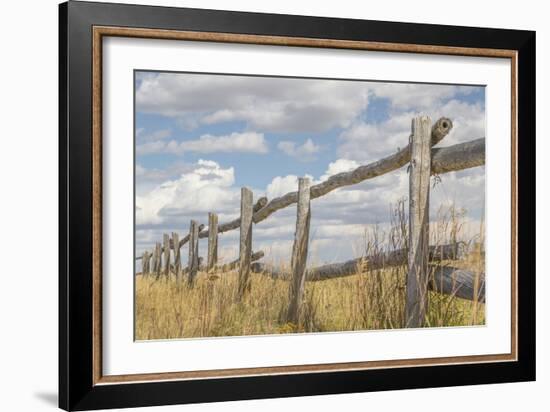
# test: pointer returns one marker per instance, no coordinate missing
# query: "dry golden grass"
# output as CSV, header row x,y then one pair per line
x,y
370,300
166,309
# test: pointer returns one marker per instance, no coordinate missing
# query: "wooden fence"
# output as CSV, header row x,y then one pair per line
x,y
423,275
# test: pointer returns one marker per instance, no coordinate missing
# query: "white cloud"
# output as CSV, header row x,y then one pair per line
x,y
273,105
281,185
247,142
304,152
409,96
143,136
208,187
339,166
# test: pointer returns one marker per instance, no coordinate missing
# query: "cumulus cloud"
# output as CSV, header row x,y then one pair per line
x,y
277,105
206,188
339,166
247,142
304,152
143,136
410,96
281,185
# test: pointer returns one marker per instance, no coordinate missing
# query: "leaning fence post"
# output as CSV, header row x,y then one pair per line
x,y
148,260
177,255
245,245
193,263
212,241
419,211
299,251
166,246
158,259
153,267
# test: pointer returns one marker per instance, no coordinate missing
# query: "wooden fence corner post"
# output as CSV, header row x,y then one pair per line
x,y
299,251
212,241
193,263
245,244
419,211
177,255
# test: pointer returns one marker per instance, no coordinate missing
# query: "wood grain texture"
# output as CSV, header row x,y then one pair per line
x,y
299,252
145,263
464,284
458,157
193,262
177,256
158,259
419,211
166,254
299,41
212,241
245,242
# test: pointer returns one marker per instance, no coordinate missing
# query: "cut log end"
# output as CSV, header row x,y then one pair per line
x,y
440,129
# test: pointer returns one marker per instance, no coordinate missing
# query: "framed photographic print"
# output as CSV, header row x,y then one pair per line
x,y
256,205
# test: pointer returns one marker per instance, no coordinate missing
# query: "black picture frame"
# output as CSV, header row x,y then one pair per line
x,y
77,390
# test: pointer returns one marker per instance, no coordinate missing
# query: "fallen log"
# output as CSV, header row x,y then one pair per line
x,y
457,282
443,279
373,262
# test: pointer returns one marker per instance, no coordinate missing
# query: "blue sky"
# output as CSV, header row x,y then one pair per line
x,y
200,137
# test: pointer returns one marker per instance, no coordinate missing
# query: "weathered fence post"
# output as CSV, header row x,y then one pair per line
x,y
212,241
145,263
158,259
153,268
193,263
166,247
177,255
299,251
245,245
419,211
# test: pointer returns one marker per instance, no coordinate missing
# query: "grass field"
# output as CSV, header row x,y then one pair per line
x,y
167,309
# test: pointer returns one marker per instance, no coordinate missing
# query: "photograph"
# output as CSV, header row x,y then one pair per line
x,y
270,205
